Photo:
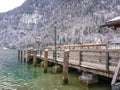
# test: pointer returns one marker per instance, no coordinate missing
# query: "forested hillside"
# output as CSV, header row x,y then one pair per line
x,y
77,22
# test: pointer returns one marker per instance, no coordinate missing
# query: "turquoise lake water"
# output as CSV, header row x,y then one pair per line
x,y
17,75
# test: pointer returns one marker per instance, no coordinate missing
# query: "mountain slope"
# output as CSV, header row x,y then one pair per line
x,y
77,21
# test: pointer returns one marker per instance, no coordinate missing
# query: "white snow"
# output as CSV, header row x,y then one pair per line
x,y
115,19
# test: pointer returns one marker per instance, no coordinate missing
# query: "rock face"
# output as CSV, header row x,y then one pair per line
x,y
77,22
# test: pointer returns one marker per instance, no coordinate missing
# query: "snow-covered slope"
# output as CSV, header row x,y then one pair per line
x,y
77,20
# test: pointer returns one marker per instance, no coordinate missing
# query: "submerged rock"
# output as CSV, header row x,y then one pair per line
x,y
116,86
88,78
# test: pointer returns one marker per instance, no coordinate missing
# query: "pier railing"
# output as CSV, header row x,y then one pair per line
x,y
103,61
80,46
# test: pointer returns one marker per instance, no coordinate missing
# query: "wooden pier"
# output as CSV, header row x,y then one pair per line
x,y
101,62
97,61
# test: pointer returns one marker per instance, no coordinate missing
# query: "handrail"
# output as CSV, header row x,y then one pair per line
x,y
80,46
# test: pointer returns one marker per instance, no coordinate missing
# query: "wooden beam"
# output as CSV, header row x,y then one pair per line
x,y
114,79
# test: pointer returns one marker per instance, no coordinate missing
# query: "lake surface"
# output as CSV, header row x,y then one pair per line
x,y
17,75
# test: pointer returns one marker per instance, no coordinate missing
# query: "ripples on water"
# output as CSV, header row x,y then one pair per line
x,y
16,75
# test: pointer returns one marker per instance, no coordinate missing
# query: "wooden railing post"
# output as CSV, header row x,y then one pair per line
x,y
107,61
45,60
35,58
65,67
21,54
80,58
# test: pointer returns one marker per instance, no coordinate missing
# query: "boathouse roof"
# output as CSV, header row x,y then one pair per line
x,y
115,22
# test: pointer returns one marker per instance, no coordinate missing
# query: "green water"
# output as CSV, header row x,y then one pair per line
x,y
17,75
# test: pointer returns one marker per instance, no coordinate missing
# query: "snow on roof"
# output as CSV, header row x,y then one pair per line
x,y
115,19
115,22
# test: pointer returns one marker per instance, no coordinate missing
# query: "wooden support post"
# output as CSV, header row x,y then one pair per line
x,y
80,58
35,58
65,67
28,56
45,60
18,54
21,54
24,55
114,79
107,61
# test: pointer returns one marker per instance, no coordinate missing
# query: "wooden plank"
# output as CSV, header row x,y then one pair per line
x,y
74,56
114,56
95,61
114,79
99,50
50,54
74,62
93,66
113,64
93,54
93,58
113,61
